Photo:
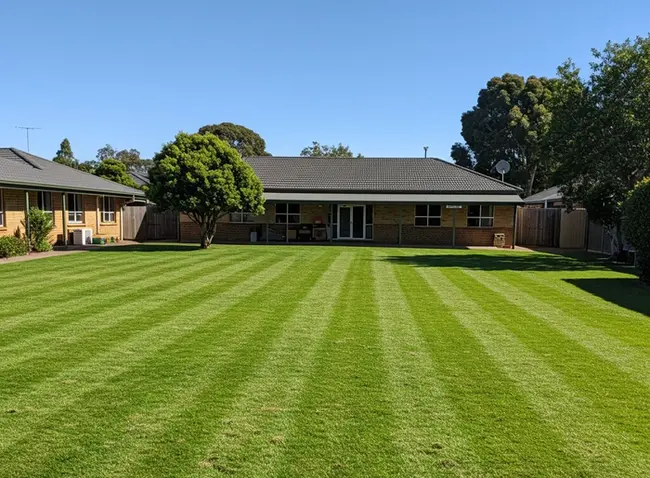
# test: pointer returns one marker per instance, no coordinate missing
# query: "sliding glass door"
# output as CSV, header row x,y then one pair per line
x,y
352,222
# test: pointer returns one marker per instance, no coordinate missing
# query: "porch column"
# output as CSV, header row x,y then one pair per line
x,y
399,233
97,213
514,227
65,219
27,226
330,220
267,232
286,229
453,225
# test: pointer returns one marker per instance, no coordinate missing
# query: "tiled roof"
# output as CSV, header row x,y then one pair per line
x,y
23,169
404,175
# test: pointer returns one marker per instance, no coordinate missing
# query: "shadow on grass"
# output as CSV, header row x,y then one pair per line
x,y
156,247
496,262
629,293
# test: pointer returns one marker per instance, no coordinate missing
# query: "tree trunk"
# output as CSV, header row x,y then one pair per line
x,y
206,237
531,181
616,241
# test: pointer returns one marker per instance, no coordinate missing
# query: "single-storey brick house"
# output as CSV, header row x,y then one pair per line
x,y
383,200
74,198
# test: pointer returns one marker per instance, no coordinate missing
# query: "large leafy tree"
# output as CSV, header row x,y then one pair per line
x,y
89,166
316,150
510,121
462,155
130,157
601,132
243,139
205,178
115,170
65,155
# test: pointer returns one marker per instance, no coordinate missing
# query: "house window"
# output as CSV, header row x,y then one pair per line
x,y
287,213
45,202
242,217
428,215
108,209
480,215
75,209
2,209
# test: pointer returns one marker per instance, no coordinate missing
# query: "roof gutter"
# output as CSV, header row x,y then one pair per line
x,y
48,187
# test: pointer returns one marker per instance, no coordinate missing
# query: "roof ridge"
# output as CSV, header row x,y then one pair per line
x,y
21,154
479,174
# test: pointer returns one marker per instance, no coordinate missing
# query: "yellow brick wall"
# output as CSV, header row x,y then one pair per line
x,y
14,204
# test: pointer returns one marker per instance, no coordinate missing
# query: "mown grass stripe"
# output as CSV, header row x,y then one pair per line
x,y
62,322
629,326
607,396
103,332
127,354
22,273
560,405
262,414
427,428
187,377
626,358
75,294
507,436
343,420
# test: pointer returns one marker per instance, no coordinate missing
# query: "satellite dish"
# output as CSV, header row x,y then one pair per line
x,y
502,167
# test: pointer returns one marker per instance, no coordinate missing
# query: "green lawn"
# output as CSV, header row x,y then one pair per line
x,y
322,361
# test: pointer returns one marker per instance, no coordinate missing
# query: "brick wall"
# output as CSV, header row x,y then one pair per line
x,y
14,203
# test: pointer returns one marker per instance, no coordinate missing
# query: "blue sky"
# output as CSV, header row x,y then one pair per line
x,y
385,77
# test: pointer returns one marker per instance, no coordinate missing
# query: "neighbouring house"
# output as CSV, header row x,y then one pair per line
x,y
74,198
140,176
549,198
383,200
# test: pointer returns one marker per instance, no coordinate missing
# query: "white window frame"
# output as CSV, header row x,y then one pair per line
x,y
2,209
485,219
75,216
41,202
287,214
108,215
429,216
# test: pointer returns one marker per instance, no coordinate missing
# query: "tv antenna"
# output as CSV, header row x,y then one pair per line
x,y
502,167
27,128
426,148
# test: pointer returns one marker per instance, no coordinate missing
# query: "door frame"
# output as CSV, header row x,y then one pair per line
x,y
338,222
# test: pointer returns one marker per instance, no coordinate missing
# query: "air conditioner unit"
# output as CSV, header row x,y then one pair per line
x,y
82,237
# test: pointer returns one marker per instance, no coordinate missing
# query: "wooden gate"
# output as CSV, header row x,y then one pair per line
x,y
538,227
145,223
573,229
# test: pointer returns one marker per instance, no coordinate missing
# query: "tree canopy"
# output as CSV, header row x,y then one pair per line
x,y
461,155
130,157
65,155
510,121
316,150
243,139
115,170
601,131
205,178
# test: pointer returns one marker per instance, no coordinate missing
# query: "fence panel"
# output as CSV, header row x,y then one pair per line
x,y
573,229
133,220
143,223
538,227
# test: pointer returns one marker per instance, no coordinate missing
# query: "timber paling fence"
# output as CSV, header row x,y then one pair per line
x,y
552,228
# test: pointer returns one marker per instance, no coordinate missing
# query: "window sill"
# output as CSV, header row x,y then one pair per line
x,y
114,223
428,227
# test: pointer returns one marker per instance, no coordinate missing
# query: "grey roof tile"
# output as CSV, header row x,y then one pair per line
x,y
20,168
408,175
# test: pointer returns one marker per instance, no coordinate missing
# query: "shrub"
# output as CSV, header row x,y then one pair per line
x,y
40,227
637,224
11,246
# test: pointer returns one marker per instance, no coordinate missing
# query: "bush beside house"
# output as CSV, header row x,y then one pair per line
x,y
637,225
12,246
